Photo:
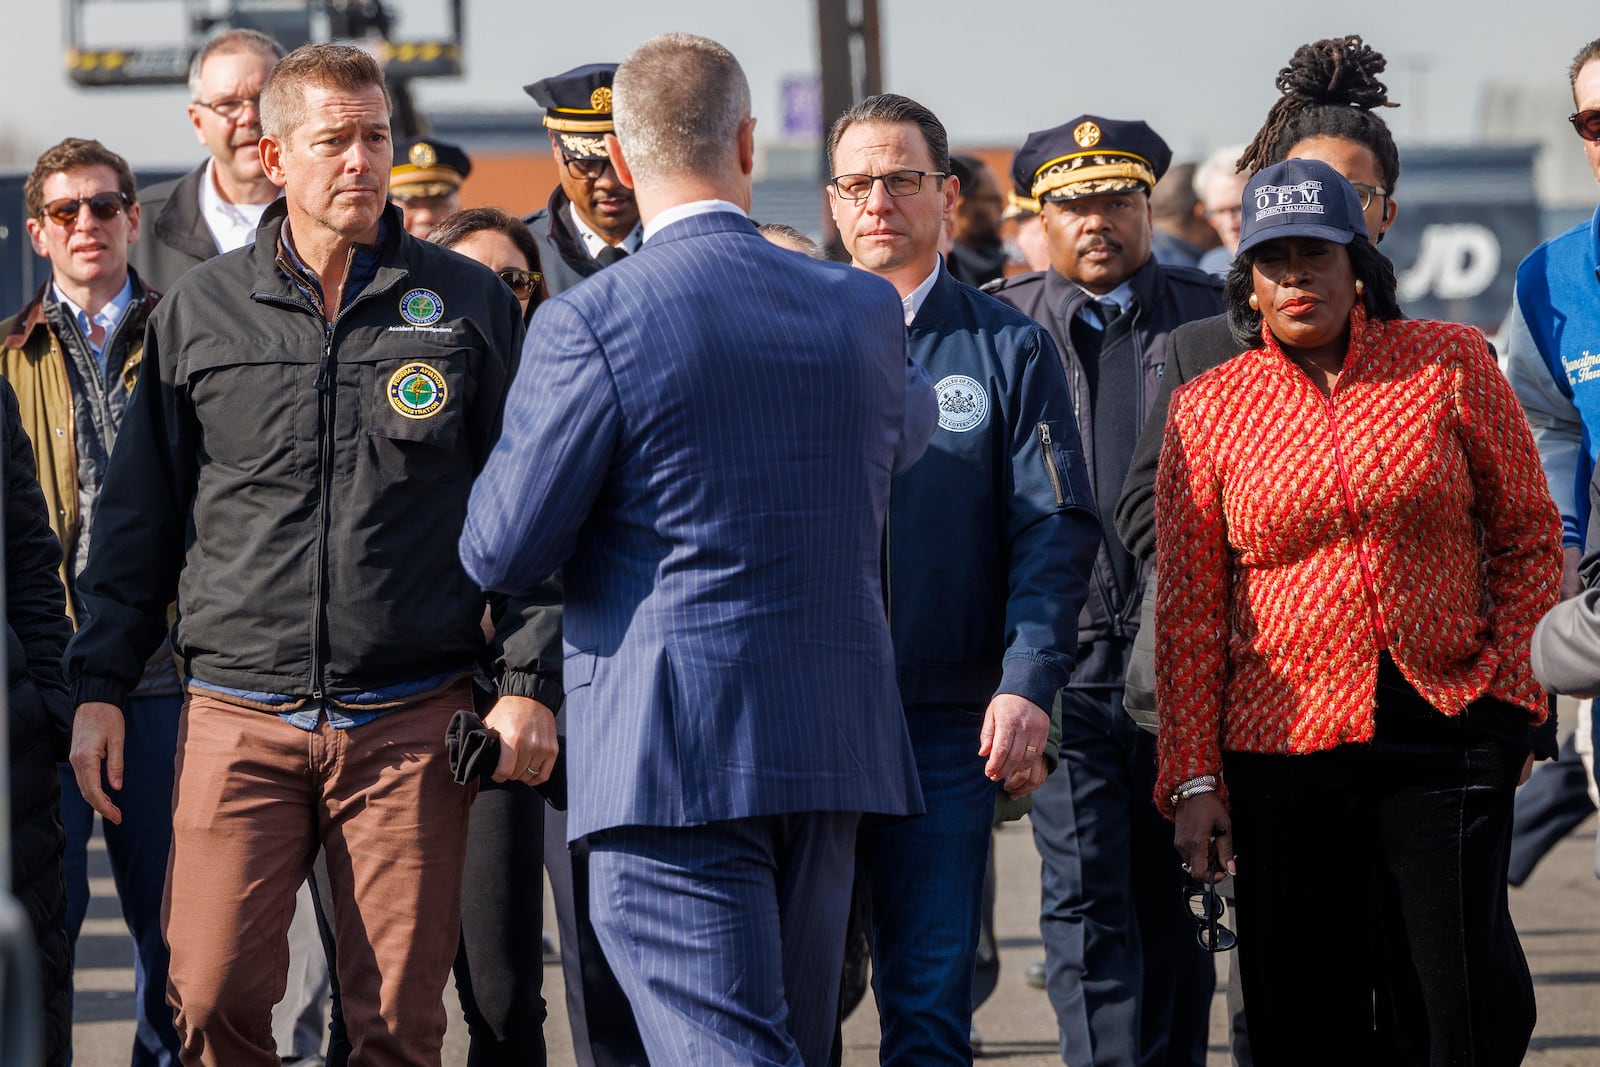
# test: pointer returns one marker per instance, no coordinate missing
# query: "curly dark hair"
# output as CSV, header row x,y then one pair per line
x,y
1369,265
1330,89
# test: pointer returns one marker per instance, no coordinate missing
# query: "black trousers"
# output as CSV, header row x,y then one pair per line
x,y
1373,918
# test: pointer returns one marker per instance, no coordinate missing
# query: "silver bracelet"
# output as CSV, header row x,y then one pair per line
x,y
1205,783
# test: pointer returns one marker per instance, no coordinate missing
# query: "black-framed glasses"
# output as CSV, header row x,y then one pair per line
x,y
103,206
585,169
1207,909
895,183
522,282
232,107
1586,123
1367,192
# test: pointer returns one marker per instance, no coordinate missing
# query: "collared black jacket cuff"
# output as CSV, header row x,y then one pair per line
x,y
545,688
90,689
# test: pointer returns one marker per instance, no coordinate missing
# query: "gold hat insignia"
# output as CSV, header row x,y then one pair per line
x,y
600,99
1087,134
422,155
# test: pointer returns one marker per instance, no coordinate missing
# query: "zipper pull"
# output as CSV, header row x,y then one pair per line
x,y
324,384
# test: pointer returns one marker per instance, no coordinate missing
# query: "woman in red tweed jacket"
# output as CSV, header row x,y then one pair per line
x,y
1354,543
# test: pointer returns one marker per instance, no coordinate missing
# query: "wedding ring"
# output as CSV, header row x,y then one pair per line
x,y
1033,748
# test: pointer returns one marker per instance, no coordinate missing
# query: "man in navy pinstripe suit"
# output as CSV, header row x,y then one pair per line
x,y
702,437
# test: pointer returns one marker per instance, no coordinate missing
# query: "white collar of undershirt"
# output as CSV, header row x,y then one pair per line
x,y
231,225
679,212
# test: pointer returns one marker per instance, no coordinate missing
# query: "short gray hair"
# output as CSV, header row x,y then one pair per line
x,y
230,43
1223,163
678,103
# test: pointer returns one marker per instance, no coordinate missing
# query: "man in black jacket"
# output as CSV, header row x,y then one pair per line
x,y
1109,870
294,471
591,220
214,208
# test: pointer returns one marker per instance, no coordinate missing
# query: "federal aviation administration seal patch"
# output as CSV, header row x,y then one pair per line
x,y
417,391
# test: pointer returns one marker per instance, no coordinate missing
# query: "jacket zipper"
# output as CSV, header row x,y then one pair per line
x,y
1379,629
1050,464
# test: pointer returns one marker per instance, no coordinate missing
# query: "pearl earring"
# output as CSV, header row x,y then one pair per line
x,y
1361,286
1255,304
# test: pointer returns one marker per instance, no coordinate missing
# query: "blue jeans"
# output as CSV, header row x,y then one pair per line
x,y
926,877
138,852
1130,985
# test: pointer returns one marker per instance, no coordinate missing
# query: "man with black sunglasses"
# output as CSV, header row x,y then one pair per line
x,y
591,220
216,207
1551,331
72,355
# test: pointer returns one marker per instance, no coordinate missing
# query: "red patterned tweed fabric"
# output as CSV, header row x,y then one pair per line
x,y
1298,534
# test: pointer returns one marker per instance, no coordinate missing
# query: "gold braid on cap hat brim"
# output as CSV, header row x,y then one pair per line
x,y
599,122
1020,205
1056,174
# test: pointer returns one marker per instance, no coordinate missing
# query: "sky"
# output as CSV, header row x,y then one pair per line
x,y
1199,72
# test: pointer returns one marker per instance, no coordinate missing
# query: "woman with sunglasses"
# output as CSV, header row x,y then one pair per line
x,y
1355,542
501,243
499,967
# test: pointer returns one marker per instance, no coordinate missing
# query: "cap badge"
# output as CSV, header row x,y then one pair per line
x,y
417,391
1087,134
422,155
600,99
1304,198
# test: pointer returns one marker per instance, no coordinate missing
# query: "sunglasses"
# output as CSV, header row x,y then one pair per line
x,y
103,206
1206,908
522,282
1587,123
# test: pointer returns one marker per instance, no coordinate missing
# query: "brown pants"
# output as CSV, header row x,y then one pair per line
x,y
255,799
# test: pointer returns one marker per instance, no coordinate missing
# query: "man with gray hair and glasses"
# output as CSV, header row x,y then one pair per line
x,y
215,207
701,438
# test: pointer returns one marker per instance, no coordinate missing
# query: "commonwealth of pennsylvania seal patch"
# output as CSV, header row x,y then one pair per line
x,y
963,403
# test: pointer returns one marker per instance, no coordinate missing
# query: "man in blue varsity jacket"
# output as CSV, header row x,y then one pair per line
x,y
989,543
1550,342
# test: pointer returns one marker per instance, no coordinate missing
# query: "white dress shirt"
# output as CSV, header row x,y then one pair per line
x,y
231,225
594,244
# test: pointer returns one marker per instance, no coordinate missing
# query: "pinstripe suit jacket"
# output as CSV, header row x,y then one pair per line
x,y
702,438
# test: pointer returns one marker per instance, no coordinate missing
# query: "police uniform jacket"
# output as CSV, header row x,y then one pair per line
x,y
991,534
562,256
301,484
1164,298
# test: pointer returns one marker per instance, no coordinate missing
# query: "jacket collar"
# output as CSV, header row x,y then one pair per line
x,y
271,280
32,317
566,238
1363,341
938,305
1147,283
180,224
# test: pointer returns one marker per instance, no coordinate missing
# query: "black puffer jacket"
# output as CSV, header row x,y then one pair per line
x,y
39,725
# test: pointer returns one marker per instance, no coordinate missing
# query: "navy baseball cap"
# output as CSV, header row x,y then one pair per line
x,y
1300,198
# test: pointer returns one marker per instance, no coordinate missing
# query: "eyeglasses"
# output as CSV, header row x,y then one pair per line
x,y
522,282
1587,123
233,106
103,206
1207,910
895,183
585,169
1368,192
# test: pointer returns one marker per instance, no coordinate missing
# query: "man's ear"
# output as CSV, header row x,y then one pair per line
x,y
747,146
619,162
272,152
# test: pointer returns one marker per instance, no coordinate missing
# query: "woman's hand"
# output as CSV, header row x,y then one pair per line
x,y
1202,819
